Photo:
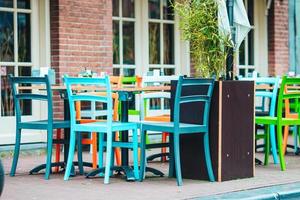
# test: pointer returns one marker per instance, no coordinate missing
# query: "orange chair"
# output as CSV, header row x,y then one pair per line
x,y
288,114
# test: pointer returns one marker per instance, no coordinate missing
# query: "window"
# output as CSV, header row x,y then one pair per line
x,y
246,51
161,36
15,50
124,37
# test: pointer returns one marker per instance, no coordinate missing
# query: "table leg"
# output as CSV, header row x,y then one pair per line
x,y
124,134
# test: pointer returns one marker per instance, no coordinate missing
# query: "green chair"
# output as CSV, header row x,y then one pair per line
x,y
107,127
49,124
292,92
177,128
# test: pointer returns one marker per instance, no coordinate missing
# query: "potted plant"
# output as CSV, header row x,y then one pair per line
x,y
209,44
232,105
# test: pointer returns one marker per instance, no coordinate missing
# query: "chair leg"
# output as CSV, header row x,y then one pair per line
x,y
108,157
208,158
57,149
94,150
177,159
16,152
112,158
101,150
71,155
295,134
273,144
285,138
143,159
281,156
49,152
267,144
135,154
79,153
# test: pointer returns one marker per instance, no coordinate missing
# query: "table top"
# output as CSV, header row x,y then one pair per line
x,y
114,89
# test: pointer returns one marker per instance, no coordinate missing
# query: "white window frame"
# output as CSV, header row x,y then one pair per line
x,y
161,22
40,57
122,19
247,66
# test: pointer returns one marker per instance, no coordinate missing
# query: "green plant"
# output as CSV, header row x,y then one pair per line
x,y
208,46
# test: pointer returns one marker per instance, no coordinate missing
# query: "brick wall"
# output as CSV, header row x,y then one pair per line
x,y
278,37
81,36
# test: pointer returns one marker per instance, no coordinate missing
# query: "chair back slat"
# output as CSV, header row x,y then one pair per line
x,y
102,99
195,98
96,90
31,97
206,98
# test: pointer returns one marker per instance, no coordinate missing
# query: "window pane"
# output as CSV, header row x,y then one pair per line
x,y
116,71
7,105
128,72
128,8
242,54
250,11
251,47
242,72
6,37
154,9
116,43
169,71
116,8
128,43
26,105
168,9
24,39
155,104
7,3
168,44
25,4
154,43
167,104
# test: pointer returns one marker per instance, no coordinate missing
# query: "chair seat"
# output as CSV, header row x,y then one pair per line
x,y
169,127
44,124
101,126
162,118
273,120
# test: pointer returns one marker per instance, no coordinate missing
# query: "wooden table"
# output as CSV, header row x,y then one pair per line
x,y
125,95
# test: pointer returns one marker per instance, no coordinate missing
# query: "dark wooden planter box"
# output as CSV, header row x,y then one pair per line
x,y
231,132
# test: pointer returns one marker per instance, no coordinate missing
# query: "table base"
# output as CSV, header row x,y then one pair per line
x,y
128,171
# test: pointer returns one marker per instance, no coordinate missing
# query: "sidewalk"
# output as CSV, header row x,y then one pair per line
x,y
24,186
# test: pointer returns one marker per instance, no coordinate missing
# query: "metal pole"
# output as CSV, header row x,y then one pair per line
x,y
229,60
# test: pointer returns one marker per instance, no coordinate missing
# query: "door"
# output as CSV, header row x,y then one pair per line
x,y
19,52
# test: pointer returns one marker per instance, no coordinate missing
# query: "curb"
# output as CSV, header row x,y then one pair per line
x,y
285,191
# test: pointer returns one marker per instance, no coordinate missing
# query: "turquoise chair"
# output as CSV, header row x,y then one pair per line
x,y
108,127
49,124
176,128
270,94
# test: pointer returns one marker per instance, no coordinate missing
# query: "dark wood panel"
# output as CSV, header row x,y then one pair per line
x,y
237,129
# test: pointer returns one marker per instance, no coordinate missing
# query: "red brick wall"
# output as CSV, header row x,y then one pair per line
x,y
278,37
81,36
